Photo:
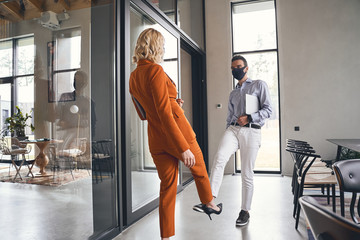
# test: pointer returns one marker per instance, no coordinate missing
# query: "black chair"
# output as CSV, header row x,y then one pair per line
x,y
300,159
303,160
348,177
102,159
326,225
297,145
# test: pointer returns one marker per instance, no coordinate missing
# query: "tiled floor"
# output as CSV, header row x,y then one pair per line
x,y
271,214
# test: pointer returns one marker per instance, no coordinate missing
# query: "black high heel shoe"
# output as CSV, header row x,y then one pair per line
x,y
210,211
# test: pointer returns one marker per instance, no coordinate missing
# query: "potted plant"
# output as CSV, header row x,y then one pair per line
x,y
16,124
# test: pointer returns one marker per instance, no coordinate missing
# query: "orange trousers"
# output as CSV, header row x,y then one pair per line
x,y
167,165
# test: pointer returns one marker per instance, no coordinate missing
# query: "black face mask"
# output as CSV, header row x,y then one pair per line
x,y
238,73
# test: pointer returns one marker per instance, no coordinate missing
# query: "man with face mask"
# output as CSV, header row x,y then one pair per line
x,y
243,131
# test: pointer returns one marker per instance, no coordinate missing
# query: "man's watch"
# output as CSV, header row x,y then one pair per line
x,y
249,118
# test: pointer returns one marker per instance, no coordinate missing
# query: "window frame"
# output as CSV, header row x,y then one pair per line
x,y
12,79
52,61
237,170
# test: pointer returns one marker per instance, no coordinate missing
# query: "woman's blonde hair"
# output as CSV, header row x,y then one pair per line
x,y
150,46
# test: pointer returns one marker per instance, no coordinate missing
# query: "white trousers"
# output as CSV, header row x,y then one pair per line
x,y
248,140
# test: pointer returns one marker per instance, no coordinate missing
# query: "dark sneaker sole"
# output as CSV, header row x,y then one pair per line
x,y
242,224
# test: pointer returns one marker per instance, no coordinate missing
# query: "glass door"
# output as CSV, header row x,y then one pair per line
x,y
58,67
186,95
143,182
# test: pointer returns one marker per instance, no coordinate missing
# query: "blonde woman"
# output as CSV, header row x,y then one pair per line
x,y
171,137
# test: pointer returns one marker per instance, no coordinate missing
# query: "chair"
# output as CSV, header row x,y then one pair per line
x,y
17,149
348,176
17,145
5,151
297,144
326,225
102,158
303,160
71,157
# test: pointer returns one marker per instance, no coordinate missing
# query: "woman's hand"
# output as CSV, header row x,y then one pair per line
x,y
180,102
188,158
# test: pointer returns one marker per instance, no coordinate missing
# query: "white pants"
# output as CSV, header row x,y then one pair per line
x,y
248,140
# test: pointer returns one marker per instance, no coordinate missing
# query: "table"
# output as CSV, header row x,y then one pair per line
x,y
352,144
41,159
343,144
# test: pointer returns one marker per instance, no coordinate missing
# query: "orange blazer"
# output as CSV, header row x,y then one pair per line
x,y
168,127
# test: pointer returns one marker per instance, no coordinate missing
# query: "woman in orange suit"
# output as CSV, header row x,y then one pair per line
x,y
171,137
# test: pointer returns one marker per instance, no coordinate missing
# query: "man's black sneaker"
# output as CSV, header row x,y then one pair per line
x,y
243,218
199,207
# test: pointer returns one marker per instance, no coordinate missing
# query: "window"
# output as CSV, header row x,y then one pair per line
x,y
65,60
187,14
17,77
256,21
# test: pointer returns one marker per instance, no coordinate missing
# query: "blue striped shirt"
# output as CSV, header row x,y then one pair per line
x,y
236,107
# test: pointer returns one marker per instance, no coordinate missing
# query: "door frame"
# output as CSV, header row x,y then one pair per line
x,y
199,95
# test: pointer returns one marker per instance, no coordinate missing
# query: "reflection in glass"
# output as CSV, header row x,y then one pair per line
x,y
25,56
22,92
67,184
6,58
186,95
25,98
63,82
68,49
187,14
168,7
5,102
144,177
261,33
190,19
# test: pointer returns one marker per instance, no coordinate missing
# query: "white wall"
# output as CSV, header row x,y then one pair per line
x,y
318,61
218,58
319,72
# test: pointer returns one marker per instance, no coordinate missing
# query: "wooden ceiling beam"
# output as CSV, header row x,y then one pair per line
x,y
14,9
38,4
65,4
